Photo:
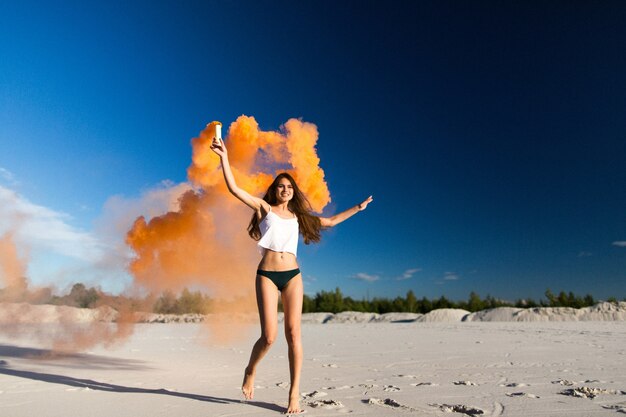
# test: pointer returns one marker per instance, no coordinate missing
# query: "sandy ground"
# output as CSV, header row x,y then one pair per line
x,y
368,369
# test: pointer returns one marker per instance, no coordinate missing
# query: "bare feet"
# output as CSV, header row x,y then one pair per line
x,y
294,405
248,385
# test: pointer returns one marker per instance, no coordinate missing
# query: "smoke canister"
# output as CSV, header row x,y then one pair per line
x,y
218,131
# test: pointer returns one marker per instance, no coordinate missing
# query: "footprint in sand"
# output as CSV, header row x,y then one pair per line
x,y
330,365
588,392
339,388
521,394
514,385
419,384
406,376
616,407
314,394
458,408
390,388
464,383
367,387
283,385
388,402
565,382
328,404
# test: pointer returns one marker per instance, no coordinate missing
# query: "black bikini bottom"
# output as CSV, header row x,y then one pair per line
x,y
279,278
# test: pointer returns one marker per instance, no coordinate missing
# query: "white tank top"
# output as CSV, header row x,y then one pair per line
x,y
278,234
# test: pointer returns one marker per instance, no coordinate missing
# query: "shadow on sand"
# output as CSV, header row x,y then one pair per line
x,y
101,386
71,359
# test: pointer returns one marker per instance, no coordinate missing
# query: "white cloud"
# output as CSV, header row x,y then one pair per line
x,y
60,254
40,228
408,274
621,244
450,276
120,212
8,176
310,278
366,277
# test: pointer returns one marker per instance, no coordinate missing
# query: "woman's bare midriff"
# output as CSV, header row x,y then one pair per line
x,y
278,261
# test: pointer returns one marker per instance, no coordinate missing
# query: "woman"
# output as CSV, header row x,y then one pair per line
x,y
278,217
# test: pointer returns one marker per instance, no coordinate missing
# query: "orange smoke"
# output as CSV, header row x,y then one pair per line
x,y
18,315
14,286
182,248
205,241
257,156
12,270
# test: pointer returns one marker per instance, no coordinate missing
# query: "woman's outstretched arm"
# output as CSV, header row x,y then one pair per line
x,y
254,203
338,218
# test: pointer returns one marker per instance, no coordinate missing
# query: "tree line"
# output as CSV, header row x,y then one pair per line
x,y
335,302
323,301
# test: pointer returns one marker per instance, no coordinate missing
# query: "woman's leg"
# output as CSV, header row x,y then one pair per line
x,y
292,306
267,302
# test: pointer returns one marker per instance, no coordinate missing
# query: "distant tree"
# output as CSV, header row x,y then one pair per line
x,y
381,305
492,302
410,302
308,304
442,302
329,301
349,304
192,303
526,303
425,305
398,304
474,303
82,297
166,304
552,301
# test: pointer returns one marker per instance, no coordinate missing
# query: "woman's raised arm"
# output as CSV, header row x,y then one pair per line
x,y
254,203
344,215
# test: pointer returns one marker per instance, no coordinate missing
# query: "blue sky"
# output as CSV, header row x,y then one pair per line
x,y
491,134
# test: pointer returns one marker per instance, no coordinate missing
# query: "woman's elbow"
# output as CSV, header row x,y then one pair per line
x,y
327,223
234,190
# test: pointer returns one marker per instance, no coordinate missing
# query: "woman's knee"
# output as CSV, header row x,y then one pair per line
x,y
292,334
268,338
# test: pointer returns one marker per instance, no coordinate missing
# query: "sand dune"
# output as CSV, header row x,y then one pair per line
x,y
24,313
16,313
599,312
444,315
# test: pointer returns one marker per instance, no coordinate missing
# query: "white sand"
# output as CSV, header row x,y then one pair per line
x,y
362,369
600,311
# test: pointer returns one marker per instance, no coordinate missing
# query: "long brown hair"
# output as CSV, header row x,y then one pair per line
x,y
309,225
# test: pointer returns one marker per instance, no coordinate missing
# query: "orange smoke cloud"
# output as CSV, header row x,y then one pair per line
x,y
301,140
182,248
12,270
59,327
14,286
257,156
205,241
